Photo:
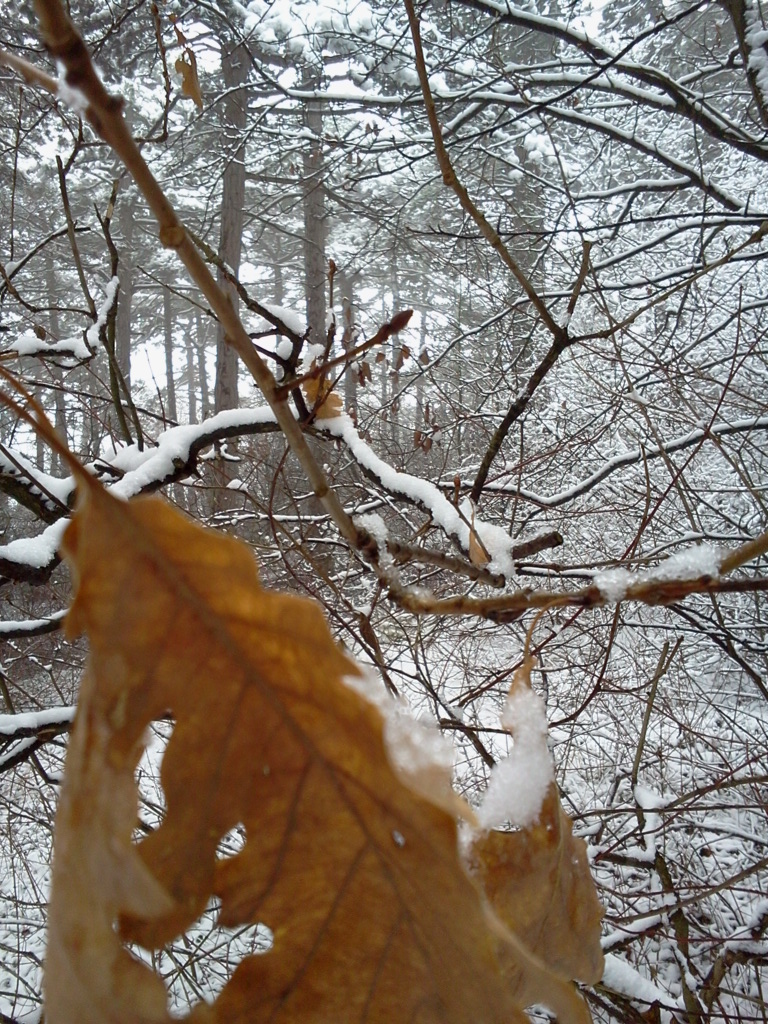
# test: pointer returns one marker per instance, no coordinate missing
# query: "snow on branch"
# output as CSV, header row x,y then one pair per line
x,y
77,348
29,344
47,496
32,723
452,520
26,732
137,472
630,458
25,628
177,450
32,559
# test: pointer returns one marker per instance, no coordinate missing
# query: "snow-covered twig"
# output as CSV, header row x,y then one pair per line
x,y
636,455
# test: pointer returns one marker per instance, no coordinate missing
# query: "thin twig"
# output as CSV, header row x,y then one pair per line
x,y
452,181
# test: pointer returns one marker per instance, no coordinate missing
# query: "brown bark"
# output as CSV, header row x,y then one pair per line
x,y
235,67
315,268
170,381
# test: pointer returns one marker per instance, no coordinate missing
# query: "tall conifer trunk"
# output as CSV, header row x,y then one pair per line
x,y
235,69
315,270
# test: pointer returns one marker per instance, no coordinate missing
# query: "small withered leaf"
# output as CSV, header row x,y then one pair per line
x,y
325,403
400,320
538,882
374,917
190,83
478,555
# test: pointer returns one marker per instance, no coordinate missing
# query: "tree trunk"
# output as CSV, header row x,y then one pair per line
x,y
419,423
396,348
315,270
348,338
191,372
126,215
170,382
235,66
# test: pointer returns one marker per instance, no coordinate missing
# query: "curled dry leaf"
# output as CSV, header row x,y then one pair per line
x,y
538,882
325,402
478,555
373,915
186,66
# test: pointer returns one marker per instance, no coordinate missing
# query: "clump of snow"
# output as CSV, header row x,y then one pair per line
x,y
294,321
519,783
374,525
110,293
74,98
35,552
539,147
633,396
612,584
28,344
368,684
13,462
27,722
640,926
9,628
311,354
623,978
419,754
701,560
416,747
236,484
284,348
144,469
648,799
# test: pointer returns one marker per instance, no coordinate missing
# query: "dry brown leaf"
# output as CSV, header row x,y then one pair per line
x,y
538,882
325,402
186,66
373,915
478,554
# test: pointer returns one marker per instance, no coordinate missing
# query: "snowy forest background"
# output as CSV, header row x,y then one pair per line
x,y
586,362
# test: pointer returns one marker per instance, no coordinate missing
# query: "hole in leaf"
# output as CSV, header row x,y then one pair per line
x,y
231,843
197,965
152,803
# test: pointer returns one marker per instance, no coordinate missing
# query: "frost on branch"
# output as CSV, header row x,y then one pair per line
x,y
354,866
